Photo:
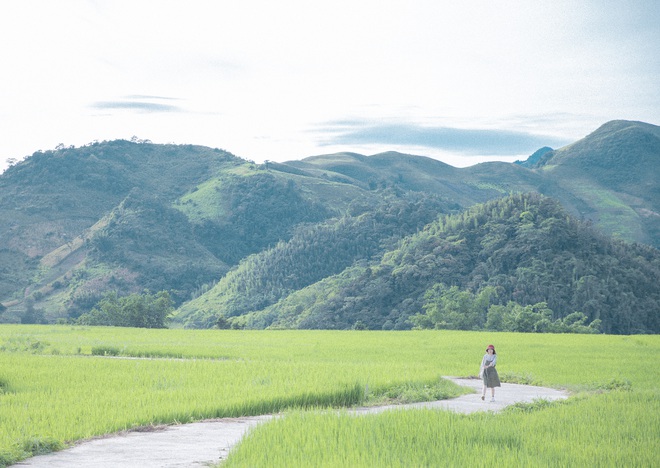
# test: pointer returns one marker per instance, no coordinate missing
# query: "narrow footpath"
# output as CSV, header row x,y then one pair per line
x,y
206,443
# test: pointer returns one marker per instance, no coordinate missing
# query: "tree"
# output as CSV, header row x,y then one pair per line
x,y
32,315
576,323
135,310
453,308
536,318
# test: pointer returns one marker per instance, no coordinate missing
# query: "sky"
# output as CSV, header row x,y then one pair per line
x,y
462,82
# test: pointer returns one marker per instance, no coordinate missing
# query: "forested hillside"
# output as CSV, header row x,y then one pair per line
x,y
132,216
313,253
526,247
299,243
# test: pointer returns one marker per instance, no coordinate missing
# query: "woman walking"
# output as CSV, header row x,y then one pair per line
x,y
488,372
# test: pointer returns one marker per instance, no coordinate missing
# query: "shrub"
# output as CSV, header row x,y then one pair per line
x,y
41,445
105,351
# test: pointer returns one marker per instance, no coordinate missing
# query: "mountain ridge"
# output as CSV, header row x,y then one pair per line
x,y
196,213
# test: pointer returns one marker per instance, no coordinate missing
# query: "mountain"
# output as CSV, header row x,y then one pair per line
x,y
77,222
313,253
534,158
229,238
462,186
54,203
525,247
611,178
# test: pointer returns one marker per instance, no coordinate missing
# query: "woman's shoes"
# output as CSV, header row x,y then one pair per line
x,y
483,397
492,400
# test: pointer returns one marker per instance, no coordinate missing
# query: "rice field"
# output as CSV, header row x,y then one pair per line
x,y
59,384
607,430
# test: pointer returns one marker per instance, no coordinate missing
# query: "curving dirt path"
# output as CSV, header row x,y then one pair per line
x,y
206,443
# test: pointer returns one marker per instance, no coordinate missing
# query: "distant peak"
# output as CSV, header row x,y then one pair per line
x,y
535,157
618,125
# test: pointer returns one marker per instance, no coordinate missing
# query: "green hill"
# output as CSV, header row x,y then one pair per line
x,y
313,253
611,177
230,238
462,186
126,216
525,247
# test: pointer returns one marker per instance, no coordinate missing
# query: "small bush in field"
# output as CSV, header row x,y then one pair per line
x,y
105,351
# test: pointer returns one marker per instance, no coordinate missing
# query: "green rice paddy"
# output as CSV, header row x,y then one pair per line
x,y
59,384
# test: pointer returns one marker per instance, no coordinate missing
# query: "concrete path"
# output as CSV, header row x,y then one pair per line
x,y
206,443
507,395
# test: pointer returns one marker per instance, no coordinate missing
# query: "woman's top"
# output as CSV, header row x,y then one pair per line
x,y
489,359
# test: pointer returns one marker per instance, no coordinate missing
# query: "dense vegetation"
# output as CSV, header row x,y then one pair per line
x,y
178,236
135,310
525,247
631,145
299,244
313,253
168,250
452,308
156,242
613,429
52,203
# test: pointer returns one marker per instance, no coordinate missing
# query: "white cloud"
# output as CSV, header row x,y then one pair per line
x,y
257,77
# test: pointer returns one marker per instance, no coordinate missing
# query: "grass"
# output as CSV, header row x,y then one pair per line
x,y
491,186
54,391
615,216
611,429
412,392
203,203
612,421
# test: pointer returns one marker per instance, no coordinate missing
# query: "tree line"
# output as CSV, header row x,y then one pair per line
x,y
456,309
